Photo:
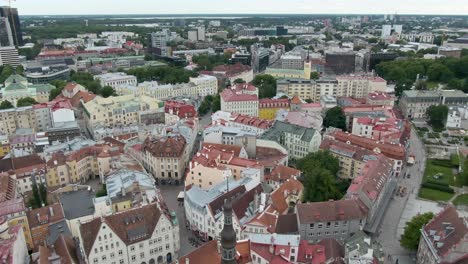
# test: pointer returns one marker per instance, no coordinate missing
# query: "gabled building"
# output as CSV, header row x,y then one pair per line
x,y
444,239
40,219
241,98
145,234
166,158
299,141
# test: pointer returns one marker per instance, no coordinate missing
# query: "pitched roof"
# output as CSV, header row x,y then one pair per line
x,y
45,215
207,253
131,226
447,231
242,203
65,247
333,250
394,151
279,196
168,146
296,100
283,173
7,187
331,211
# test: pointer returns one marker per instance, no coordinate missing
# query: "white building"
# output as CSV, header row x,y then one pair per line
x,y
241,99
206,85
9,56
115,79
454,118
203,208
193,35
327,101
144,234
388,30
201,33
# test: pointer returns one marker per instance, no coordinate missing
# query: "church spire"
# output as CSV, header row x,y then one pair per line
x,y
228,235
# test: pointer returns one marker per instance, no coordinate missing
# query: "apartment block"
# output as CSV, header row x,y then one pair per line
x,y
414,104
241,99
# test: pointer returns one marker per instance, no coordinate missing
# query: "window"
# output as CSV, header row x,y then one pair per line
x,y
120,252
132,248
95,260
133,257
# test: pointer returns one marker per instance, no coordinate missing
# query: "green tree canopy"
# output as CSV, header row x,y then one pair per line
x,y
6,105
335,117
437,115
314,75
266,85
216,104
412,234
107,91
6,72
26,101
59,85
239,80
320,170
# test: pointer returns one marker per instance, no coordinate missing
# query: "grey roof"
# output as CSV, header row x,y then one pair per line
x,y
125,178
280,127
432,93
77,204
57,229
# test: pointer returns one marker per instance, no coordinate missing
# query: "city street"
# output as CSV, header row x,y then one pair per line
x,y
403,206
170,193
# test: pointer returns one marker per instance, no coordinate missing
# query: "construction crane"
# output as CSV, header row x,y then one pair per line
x,y
11,18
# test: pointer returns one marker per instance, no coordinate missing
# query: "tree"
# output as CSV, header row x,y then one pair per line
x,y
107,91
314,75
266,85
6,72
437,115
439,72
320,170
102,192
239,80
412,234
26,101
335,117
420,85
59,85
19,70
6,105
216,105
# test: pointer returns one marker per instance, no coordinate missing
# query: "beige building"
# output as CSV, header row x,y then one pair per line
x,y
118,110
352,158
17,87
347,86
79,166
414,104
15,118
166,158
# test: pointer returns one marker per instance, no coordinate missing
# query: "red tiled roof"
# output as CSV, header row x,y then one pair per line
x,y
334,252
207,253
342,148
70,86
296,100
252,121
311,253
331,211
275,257
394,151
168,146
450,230
224,148
12,206
7,187
273,103
278,197
372,178
283,173
232,70
229,95
45,215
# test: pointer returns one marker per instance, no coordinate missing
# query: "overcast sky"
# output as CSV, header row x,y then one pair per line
x,y
70,7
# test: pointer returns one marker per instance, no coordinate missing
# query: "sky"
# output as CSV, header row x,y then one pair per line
x,y
74,7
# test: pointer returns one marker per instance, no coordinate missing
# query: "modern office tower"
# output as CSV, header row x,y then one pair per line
x,y
158,42
9,56
201,33
193,35
15,26
6,36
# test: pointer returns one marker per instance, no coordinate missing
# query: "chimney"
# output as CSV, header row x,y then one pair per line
x,y
187,261
51,211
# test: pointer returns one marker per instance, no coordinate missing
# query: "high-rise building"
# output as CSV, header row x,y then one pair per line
x,y
158,43
6,36
9,56
193,35
388,30
201,33
15,26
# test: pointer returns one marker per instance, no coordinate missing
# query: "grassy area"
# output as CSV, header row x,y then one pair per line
x,y
434,195
461,199
433,167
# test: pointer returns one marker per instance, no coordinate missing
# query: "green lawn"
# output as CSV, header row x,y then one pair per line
x,y
434,195
432,169
461,199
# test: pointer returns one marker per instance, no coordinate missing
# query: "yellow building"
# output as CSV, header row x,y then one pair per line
x,y
117,110
267,108
15,211
291,73
4,146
